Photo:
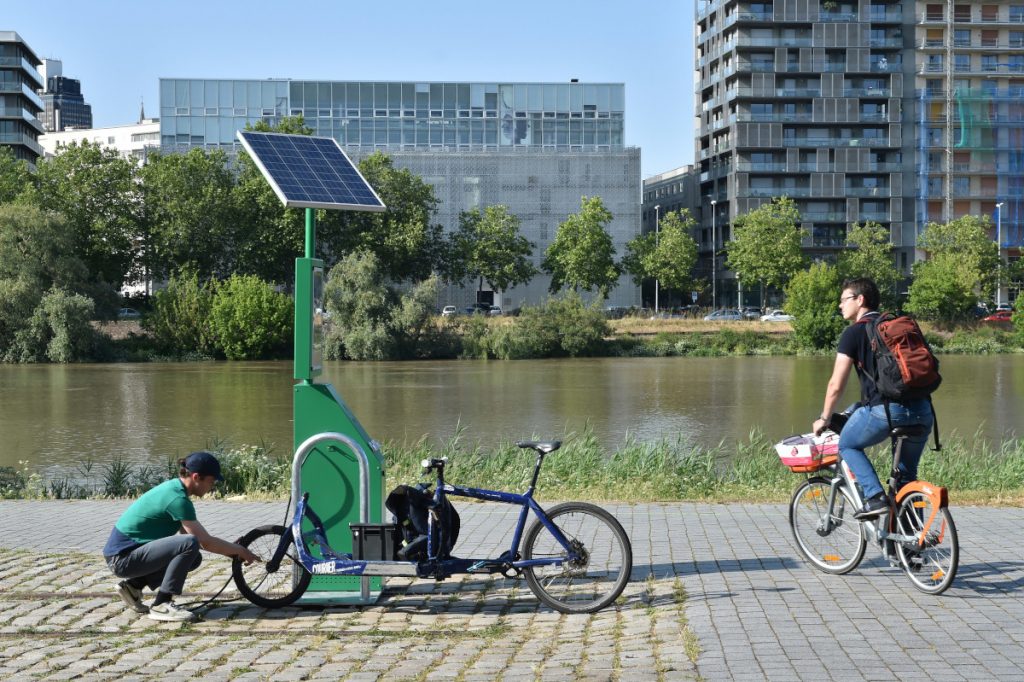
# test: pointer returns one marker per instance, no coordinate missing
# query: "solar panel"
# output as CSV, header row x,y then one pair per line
x,y
310,172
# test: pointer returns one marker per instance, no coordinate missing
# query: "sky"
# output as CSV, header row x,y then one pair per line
x,y
119,50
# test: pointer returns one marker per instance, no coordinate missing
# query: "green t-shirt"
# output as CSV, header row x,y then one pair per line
x,y
158,513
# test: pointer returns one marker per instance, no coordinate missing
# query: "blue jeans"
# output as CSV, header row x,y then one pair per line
x,y
868,426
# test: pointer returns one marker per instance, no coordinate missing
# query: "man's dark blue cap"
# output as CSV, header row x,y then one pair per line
x,y
204,464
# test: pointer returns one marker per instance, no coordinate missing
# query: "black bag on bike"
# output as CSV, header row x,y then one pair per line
x,y
411,506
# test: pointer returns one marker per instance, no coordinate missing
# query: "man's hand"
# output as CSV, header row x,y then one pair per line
x,y
247,557
819,426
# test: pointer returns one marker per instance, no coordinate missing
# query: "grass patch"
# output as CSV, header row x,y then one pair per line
x,y
973,469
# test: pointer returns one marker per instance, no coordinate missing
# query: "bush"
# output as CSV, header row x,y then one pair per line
x,y
558,327
180,321
58,330
812,299
249,320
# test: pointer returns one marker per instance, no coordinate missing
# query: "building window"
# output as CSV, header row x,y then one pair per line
x,y
1017,14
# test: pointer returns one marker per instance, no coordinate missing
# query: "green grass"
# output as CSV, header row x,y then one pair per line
x,y
973,469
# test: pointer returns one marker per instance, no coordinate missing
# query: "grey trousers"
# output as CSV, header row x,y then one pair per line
x,y
162,564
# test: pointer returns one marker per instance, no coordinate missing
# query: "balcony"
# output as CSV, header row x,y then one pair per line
x,y
771,192
829,217
805,117
896,43
883,192
743,41
837,17
22,139
836,142
886,17
867,92
27,68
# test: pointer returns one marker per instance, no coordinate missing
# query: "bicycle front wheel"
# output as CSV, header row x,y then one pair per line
x,y
930,565
591,582
260,586
830,538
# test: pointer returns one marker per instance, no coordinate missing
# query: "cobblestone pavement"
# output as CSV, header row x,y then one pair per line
x,y
721,584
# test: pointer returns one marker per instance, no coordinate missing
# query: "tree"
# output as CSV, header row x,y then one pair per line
x,y
39,247
766,246
961,268
98,194
490,247
190,218
250,320
667,256
15,177
408,245
812,299
872,256
582,255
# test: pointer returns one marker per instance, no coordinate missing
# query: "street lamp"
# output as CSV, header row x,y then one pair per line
x,y
714,245
657,233
999,245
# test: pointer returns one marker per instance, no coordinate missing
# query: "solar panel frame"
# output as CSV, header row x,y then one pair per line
x,y
310,172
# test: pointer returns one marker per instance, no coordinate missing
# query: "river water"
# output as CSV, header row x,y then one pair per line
x,y
57,416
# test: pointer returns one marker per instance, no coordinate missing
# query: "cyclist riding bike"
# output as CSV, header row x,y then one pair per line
x,y
869,424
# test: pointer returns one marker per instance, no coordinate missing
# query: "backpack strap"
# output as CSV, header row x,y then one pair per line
x,y
935,426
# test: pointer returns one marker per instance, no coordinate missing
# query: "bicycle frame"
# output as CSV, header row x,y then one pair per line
x,y
334,563
844,478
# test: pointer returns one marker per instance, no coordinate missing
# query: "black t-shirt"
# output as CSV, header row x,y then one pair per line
x,y
854,343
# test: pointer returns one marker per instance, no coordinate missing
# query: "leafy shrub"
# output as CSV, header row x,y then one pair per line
x,y
253,469
250,320
58,330
180,321
558,327
812,299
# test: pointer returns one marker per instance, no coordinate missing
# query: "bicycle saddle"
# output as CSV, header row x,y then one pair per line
x,y
909,431
543,446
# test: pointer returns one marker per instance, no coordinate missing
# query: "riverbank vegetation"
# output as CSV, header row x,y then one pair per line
x,y
974,470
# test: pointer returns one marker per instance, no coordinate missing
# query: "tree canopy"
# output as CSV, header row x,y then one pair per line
x,y
488,245
582,255
872,256
667,256
960,270
766,244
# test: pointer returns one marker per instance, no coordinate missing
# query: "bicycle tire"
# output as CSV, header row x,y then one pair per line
x,y
931,569
841,549
587,586
269,590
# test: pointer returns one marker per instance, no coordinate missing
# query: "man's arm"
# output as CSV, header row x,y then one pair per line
x,y
836,385
216,545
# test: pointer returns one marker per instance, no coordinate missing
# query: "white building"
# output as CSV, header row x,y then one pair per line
x,y
134,140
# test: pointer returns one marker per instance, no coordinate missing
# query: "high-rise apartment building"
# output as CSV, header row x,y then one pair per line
x,y
535,147
20,106
63,102
880,110
969,115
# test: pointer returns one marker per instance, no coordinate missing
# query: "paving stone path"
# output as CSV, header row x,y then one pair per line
x,y
718,592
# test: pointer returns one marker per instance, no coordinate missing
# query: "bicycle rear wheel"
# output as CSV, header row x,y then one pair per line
x,y
931,566
261,587
837,549
591,583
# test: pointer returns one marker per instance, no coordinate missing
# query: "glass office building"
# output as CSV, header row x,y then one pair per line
x,y
535,147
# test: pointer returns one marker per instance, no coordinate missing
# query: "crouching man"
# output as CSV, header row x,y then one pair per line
x,y
156,541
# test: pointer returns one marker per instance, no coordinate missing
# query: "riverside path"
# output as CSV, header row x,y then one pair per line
x,y
718,593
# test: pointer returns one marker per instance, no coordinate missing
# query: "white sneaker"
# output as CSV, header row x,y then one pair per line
x,y
131,596
171,613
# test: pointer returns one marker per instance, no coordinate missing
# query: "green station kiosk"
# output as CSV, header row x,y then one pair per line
x,y
335,460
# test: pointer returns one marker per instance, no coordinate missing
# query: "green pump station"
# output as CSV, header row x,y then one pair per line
x,y
335,461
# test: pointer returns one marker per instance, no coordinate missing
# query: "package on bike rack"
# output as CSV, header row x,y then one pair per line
x,y
808,451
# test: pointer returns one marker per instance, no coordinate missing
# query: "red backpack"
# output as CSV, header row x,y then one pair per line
x,y
905,367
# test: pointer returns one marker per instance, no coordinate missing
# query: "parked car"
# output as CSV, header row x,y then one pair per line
x,y
449,310
495,311
723,315
777,316
478,309
128,314
999,316
751,313
1004,306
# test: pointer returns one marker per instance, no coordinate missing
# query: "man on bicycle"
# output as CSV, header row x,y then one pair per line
x,y
156,541
869,424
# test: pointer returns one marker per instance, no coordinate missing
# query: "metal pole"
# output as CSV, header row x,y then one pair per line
x,y
999,245
310,232
657,235
714,258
